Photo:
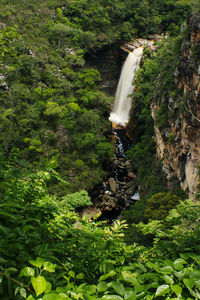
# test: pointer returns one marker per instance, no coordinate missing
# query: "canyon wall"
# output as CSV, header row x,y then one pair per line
x,y
178,145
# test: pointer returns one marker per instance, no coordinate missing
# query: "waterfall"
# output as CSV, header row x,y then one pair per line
x,y
122,105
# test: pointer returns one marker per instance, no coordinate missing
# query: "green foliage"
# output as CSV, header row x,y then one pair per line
x,y
161,117
108,267
169,278
179,231
75,200
8,37
158,205
104,150
196,51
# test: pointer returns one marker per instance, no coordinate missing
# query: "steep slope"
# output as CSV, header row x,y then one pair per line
x,y
178,145
165,118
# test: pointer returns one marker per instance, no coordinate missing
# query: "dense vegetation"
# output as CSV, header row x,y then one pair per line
x,y
54,147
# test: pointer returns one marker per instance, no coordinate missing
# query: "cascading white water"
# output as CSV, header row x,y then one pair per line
x,y
123,101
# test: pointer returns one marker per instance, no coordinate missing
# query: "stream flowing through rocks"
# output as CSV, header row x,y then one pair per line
x,y
119,190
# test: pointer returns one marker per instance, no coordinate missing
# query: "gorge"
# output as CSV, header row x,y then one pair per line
x,y
61,157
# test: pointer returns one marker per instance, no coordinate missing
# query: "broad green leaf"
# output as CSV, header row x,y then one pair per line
x,y
178,264
149,297
129,295
189,282
38,262
48,287
118,287
27,272
80,288
22,292
80,276
197,284
110,274
12,269
63,296
111,297
140,295
71,274
166,270
138,287
141,267
30,298
130,277
90,289
177,289
102,286
17,290
61,289
169,262
179,274
51,296
168,279
150,265
151,285
196,275
162,290
89,297
39,284
49,267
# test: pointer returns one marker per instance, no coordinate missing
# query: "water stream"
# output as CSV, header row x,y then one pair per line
x,y
120,189
122,105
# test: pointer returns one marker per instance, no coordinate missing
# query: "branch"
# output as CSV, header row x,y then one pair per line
x,y
15,281
190,111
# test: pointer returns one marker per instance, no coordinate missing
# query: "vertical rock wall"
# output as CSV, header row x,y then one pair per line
x,y
179,144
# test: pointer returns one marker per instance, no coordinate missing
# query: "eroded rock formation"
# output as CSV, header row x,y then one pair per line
x,y
178,145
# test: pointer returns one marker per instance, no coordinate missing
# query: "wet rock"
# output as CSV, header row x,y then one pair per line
x,y
131,175
113,184
130,188
108,203
129,184
122,182
155,37
90,212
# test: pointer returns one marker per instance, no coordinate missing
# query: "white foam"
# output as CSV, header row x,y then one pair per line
x,y
123,101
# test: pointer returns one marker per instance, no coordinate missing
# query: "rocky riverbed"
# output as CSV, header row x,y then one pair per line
x,y
120,189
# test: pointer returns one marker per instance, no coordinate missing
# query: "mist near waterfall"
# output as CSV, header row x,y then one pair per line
x,y
122,104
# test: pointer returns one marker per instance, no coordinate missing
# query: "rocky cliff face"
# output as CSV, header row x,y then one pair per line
x,y
108,62
178,145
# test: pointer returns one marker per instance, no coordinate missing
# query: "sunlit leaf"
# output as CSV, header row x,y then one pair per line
x,y
27,272
38,262
39,284
118,287
162,290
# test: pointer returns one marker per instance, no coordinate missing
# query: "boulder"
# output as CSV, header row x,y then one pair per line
x,y
113,184
131,175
